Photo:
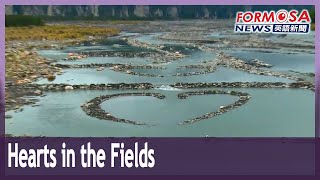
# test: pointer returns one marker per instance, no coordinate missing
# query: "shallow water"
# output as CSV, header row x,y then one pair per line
x,y
167,72
305,39
269,113
160,111
287,113
153,38
302,62
102,60
92,76
53,54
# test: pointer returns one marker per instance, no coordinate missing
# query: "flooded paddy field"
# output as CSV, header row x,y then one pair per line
x,y
173,83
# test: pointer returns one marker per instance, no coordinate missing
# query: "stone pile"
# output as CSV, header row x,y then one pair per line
x,y
209,69
232,62
74,56
62,87
166,55
243,98
259,64
113,66
188,37
93,108
117,54
301,84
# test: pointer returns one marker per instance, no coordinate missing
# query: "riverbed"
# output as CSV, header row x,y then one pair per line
x,y
270,112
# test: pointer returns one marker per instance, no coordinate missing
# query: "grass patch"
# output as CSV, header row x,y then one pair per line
x,y
57,32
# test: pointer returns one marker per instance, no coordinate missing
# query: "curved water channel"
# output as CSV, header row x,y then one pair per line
x,y
281,112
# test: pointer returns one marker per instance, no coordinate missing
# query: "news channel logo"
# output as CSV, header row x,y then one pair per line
x,y
280,22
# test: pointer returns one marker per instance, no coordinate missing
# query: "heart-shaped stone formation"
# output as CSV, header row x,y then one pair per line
x,y
93,107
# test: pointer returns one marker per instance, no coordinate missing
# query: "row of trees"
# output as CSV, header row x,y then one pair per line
x,y
313,15
23,20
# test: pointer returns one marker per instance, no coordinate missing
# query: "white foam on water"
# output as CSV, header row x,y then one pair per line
x,y
168,88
